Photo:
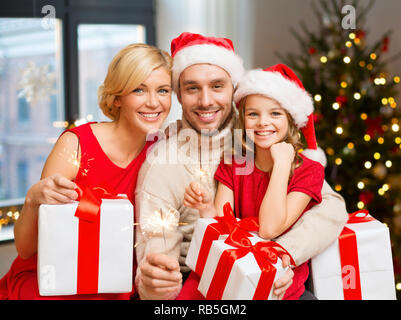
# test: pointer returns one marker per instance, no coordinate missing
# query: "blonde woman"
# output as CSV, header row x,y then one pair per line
x,y
136,96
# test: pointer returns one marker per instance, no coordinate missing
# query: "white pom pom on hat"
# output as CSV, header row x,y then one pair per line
x,y
280,83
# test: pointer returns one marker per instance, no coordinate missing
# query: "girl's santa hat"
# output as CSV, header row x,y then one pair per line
x,y
280,83
191,48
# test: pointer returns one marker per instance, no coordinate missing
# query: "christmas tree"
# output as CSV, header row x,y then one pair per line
x,y
357,118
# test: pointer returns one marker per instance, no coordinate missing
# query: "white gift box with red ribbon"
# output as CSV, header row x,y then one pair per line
x,y
208,230
205,232
85,255
241,272
358,265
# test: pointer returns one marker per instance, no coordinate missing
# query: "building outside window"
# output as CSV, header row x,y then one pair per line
x,y
50,74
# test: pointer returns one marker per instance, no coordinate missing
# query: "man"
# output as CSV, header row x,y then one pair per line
x,y
205,73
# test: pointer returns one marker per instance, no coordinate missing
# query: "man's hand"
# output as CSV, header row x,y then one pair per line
x,y
197,197
283,283
159,277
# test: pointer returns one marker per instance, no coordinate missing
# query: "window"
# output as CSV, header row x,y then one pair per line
x,y
22,178
23,110
31,82
97,45
53,57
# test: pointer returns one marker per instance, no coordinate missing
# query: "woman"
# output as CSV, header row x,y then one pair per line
x,y
136,96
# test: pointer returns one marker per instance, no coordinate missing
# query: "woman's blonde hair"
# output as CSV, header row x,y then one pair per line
x,y
130,67
293,135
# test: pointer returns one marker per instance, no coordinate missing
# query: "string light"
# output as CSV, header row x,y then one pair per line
x,y
395,127
323,59
368,164
373,56
397,140
347,59
351,36
385,187
338,187
388,163
376,155
362,63
357,96
336,106
350,145
379,81
338,161
396,79
343,84
318,97
380,140
384,101
348,44
360,205
369,66
364,116
366,137
339,130
360,185
380,191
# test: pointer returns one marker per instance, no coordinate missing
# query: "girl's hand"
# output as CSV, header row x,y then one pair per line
x,y
282,152
55,189
198,198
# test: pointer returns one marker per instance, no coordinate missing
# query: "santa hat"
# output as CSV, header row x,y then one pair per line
x,y
280,83
191,48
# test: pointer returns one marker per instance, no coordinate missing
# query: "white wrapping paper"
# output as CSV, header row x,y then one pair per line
x,y
58,248
244,276
375,265
196,241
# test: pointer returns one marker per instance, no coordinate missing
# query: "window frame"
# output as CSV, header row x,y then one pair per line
x,y
72,13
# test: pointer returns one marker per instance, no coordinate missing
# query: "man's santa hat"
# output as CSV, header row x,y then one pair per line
x,y
280,83
191,48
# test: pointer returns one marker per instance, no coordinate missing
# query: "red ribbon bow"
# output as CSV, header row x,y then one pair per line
x,y
266,254
349,256
88,213
223,225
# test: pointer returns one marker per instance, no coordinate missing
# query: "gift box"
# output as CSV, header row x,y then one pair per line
x,y
208,230
86,247
241,268
358,265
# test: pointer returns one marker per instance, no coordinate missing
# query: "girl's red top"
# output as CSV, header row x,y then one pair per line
x,y
249,190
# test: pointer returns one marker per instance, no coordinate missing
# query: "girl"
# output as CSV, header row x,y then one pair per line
x,y
283,184
136,96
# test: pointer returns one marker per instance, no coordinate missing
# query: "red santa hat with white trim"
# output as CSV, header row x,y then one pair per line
x,y
280,83
191,48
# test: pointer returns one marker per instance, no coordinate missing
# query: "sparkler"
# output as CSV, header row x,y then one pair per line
x,y
162,224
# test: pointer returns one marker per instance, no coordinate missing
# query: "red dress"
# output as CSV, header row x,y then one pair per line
x,y
95,168
249,191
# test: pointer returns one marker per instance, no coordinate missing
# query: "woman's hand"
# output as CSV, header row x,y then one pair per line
x,y
197,197
282,152
55,189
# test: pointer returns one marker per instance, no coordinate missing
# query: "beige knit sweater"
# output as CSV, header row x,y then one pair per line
x,y
173,165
